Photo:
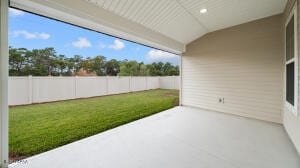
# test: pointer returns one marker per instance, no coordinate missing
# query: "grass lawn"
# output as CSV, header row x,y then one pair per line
x,y
38,128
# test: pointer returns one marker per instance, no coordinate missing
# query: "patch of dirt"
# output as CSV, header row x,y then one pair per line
x,y
170,95
15,157
175,95
176,102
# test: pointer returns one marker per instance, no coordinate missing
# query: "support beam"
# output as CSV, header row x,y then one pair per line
x,y
4,84
180,81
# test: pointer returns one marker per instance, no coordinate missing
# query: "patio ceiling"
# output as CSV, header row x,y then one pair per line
x,y
165,24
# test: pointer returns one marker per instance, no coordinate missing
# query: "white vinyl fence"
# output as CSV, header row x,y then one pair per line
x,y
28,90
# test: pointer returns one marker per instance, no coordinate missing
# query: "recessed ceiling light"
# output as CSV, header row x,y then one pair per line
x,y
203,10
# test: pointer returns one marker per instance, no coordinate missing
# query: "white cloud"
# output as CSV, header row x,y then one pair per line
x,y
28,35
82,43
118,45
101,45
44,35
15,12
158,55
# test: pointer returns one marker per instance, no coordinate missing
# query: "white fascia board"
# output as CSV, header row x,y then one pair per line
x,y
84,14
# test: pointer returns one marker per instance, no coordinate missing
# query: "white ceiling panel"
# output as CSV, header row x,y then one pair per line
x,y
227,13
164,16
181,19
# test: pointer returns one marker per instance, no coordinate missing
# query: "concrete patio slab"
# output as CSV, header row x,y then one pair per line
x,y
176,138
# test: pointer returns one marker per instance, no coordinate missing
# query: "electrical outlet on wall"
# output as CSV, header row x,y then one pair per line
x,y
222,100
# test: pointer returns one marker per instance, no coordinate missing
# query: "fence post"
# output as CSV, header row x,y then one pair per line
x,y
30,94
36,91
130,84
174,85
75,87
106,87
159,85
146,83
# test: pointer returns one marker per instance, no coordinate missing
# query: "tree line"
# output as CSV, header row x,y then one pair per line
x,y
46,62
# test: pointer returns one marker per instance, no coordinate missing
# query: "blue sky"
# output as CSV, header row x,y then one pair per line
x,y
35,32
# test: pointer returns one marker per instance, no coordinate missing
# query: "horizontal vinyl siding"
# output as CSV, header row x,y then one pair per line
x,y
243,65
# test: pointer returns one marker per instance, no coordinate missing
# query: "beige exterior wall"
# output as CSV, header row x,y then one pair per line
x,y
242,64
290,121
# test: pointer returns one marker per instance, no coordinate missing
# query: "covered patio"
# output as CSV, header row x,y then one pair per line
x,y
239,89
176,138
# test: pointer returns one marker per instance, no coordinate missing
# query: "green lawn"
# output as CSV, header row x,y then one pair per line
x,y
38,128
